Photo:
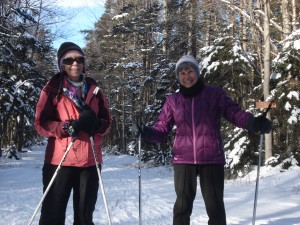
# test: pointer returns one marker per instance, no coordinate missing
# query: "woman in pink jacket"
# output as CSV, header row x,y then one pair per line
x,y
196,111
71,108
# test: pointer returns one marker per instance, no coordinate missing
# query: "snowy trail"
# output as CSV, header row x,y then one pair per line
x,y
21,190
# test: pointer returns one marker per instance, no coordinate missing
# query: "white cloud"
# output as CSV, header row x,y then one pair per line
x,y
80,3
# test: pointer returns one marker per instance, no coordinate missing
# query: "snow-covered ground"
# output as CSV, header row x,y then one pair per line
x,y
278,196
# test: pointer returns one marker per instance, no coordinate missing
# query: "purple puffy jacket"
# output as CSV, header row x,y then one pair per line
x,y
198,125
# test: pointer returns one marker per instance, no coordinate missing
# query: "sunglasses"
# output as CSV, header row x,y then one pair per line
x,y
70,61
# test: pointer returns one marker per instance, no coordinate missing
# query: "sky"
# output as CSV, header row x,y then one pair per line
x,y
278,194
84,14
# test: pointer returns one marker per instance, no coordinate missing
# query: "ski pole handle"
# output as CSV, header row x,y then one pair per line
x,y
139,119
268,109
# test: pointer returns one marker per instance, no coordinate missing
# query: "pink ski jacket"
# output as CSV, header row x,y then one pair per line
x,y
198,125
51,116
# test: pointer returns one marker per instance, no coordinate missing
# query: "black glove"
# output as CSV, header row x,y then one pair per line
x,y
87,122
259,124
136,130
142,130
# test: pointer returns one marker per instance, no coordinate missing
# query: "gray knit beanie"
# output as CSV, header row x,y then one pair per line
x,y
188,59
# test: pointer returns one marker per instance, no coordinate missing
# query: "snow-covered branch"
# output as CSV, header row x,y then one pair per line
x,y
234,7
271,21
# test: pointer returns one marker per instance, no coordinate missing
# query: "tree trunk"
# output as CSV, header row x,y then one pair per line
x,y
286,24
20,132
267,72
294,15
193,31
244,26
166,28
123,117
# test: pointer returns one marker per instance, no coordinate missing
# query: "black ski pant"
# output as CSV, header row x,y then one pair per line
x,y
83,181
212,188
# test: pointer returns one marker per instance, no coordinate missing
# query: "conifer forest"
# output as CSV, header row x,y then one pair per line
x,y
250,48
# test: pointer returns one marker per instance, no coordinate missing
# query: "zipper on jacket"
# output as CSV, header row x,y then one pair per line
x,y
194,132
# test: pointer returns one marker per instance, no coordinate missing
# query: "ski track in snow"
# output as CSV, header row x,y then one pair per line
x,y
21,190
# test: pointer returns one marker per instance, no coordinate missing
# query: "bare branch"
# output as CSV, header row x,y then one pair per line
x,y
234,7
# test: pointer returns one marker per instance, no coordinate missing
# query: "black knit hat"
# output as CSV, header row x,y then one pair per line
x,y
67,47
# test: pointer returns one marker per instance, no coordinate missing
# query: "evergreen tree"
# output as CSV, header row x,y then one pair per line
x,y
20,79
135,45
286,94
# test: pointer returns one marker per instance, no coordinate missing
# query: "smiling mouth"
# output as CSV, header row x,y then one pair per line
x,y
189,81
75,69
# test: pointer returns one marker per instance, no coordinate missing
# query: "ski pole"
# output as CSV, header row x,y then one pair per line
x,y
140,183
258,168
52,180
139,122
100,180
257,178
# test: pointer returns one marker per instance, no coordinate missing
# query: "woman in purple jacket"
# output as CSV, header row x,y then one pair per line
x,y
196,111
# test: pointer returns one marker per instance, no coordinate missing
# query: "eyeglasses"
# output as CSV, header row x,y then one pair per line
x,y
70,61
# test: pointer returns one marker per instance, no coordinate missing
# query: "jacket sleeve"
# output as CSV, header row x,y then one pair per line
x,y
46,124
104,116
232,112
163,124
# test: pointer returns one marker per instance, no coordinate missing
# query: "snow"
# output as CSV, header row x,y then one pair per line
x,y
297,44
238,150
293,119
293,94
278,194
123,15
287,106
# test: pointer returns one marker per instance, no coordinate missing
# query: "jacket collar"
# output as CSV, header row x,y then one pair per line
x,y
192,91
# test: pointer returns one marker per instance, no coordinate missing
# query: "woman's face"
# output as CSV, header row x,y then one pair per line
x,y
188,77
73,65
